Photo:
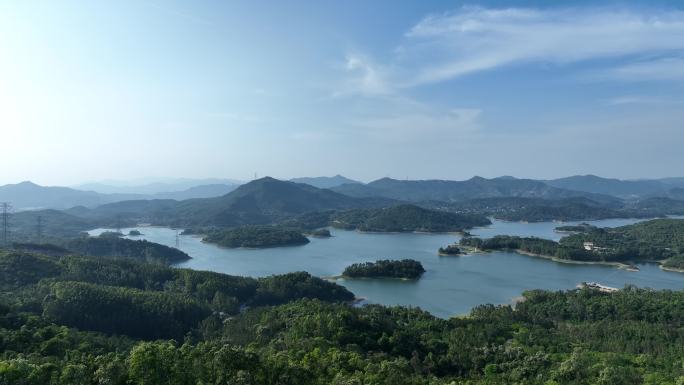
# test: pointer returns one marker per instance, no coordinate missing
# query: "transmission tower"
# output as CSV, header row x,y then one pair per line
x,y
177,239
39,228
6,213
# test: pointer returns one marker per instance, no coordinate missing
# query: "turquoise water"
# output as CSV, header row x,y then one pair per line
x,y
451,285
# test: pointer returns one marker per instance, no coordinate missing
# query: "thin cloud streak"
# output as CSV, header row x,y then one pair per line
x,y
478,39
475,39
654,70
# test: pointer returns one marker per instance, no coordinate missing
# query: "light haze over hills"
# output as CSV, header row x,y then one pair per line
x,y
28,195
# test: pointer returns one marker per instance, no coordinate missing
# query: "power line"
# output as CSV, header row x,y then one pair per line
x,y
6,214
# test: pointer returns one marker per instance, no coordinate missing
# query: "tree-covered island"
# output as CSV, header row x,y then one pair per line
x,y
257,237
449,250
405,268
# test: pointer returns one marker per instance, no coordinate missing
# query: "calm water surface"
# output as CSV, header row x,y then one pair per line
x,y
451,285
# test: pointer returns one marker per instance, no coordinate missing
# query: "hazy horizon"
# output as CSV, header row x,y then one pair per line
x,y
125,90
145,181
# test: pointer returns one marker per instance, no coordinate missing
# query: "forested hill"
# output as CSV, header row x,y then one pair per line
x,y
261,201
404,218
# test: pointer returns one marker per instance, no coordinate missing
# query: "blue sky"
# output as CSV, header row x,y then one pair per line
x,y
430,89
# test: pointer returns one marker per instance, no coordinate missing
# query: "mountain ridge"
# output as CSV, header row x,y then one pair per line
x,y
456,191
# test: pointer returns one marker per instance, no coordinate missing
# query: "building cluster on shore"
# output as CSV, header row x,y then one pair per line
x,y
597,286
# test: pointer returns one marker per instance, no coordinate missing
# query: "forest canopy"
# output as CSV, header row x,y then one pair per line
x,y
405,268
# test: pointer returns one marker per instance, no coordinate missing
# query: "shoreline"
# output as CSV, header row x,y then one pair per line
x,y
408,232
449,255
333,278
619,265
671,269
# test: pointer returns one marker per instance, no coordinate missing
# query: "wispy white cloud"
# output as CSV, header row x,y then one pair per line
x,y
364,77
639,99
671,68
477,39
473,39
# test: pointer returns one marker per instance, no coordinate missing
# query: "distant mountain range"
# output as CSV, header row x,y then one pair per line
x,y
30,196
616,187
325,181
152,186
268,200
456,191
606,191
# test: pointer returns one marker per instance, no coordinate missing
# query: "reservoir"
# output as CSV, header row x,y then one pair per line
x,y
450,286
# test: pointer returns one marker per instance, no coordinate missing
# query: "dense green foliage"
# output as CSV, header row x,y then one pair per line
x,y
114,246
570,211
676,262
565,338
655,240
121,310
53,223
582,227
283,288
652,240
406,218
527,244
142,300
567,209
633,336
257,237
405,268
449,250
320,233
309,221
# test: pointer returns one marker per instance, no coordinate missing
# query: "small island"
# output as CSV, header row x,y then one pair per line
x,y
134,233
257,237
405,269
110,234
449,250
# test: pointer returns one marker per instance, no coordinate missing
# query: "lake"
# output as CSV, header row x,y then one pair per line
x,y
451,285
